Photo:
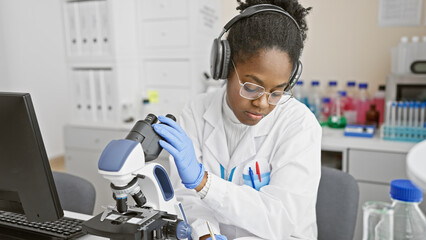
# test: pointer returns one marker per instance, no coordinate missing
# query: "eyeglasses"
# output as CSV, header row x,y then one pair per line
x,y
253,91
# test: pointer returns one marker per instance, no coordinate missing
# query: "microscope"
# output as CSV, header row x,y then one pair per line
x,y
154,214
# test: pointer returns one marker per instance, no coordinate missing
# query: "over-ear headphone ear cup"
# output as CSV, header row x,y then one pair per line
x,y
226,49
295,75
216,57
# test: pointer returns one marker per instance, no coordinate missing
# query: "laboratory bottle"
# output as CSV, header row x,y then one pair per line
x,y
300,93
325,111
409,222
372,116
379,100
423,48
337,118
362,103
403,55
351,97
315,99
413,51
331,91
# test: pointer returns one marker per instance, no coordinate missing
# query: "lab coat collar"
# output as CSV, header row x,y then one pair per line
x,y
216,140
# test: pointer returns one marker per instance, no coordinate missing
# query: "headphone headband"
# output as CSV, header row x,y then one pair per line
x,y
221,51
255,9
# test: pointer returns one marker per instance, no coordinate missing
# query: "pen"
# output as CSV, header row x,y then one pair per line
x,y
258,171
251,177
210,230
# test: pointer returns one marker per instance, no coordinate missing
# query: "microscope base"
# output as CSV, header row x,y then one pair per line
x,y
136,224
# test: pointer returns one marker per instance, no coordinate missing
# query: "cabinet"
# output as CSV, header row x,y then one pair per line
x,y
126,58
373,162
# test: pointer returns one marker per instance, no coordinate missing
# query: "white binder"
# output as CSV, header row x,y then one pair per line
x,y
101,109
78,95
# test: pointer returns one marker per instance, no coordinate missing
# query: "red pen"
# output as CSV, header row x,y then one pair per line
x,y
258,171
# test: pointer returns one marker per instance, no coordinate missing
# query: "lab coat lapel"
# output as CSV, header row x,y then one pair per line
x,y
214,134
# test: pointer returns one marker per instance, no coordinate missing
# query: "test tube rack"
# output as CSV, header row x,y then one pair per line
x,y
406,134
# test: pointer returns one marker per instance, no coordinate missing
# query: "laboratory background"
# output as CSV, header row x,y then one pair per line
x,y
93,68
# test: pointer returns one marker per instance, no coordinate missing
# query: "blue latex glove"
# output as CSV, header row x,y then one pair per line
x,y
179,145
218,237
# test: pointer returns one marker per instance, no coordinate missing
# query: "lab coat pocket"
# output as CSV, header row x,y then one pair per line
x,y
258,183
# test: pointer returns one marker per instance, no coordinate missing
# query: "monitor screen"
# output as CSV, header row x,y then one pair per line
x,y
26,181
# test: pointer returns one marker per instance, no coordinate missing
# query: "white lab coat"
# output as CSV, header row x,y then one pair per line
x,y
287,143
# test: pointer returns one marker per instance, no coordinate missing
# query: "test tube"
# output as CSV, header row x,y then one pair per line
x,y
422,115
388,113
416,114
399,119
410,114
405,119
405,114
393,119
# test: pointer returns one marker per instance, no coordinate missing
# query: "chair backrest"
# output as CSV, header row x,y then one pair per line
x,y
337,205
75,193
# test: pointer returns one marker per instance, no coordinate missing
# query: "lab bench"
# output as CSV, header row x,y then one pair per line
x,y
373,162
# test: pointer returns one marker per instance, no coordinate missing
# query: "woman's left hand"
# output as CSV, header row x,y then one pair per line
x,y
180,146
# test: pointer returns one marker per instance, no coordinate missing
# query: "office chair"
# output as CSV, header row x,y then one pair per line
x,y
75,194
337,205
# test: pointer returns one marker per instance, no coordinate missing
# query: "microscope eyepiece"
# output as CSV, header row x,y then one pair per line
x,y
171,117
151,119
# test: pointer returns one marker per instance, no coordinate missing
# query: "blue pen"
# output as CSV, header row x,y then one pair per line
x,y
251,177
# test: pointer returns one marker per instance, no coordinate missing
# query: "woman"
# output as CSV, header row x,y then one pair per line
x,y
250,151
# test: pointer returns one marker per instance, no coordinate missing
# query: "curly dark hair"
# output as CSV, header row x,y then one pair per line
x,y
268,30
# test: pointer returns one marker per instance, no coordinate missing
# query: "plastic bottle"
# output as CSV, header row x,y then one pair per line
x,y
413,51
379,101
300,93
325,111
363,103
351,97
331,89
315,99
403,55
409,221
337,118
423,48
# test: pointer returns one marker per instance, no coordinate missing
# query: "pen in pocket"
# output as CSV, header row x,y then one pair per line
x,y
251,177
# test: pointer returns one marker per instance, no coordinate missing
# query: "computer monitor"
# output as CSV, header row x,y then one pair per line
x,y
26,181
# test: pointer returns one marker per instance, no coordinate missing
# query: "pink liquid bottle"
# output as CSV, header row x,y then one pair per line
x,y
363,103
379,100
351,97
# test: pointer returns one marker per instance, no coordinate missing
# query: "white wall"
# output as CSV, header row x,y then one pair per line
x,y
32,52
32,59
344,41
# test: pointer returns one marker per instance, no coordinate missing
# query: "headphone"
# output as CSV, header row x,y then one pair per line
x,y
221,51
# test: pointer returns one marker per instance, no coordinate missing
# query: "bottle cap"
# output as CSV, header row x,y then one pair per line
x,y
404,39
326,100
315,83
300,82
405,190
351,83
332,83
415,39
342,93
382,87
363,85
